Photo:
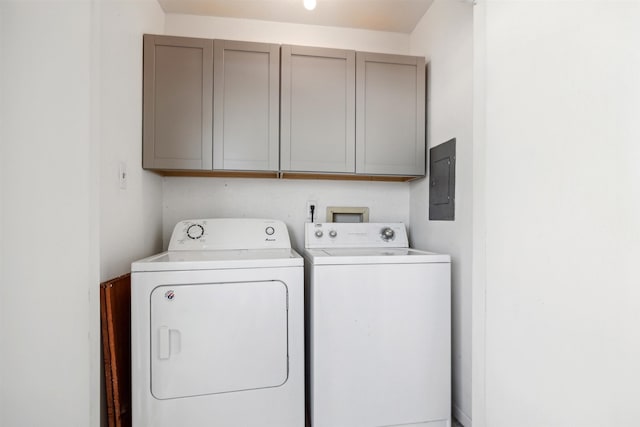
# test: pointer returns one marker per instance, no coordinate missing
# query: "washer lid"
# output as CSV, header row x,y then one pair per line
x,y
211,260
341,256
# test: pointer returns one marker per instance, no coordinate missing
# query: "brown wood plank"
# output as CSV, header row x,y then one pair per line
x,y
106,348
117,334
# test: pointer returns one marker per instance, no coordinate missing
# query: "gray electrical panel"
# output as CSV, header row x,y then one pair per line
x,y
442,181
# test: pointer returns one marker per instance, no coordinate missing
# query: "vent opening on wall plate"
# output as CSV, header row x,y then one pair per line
x,y
347,214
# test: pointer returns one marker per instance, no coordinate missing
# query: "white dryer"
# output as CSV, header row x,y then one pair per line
x,y
217,328
379,328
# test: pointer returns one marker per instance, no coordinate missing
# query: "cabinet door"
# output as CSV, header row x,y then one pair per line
x,y
246,110
317,110
177,110
390,132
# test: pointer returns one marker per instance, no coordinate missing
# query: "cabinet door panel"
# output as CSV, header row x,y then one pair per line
x,y
178,81
318,110
246,95
390,135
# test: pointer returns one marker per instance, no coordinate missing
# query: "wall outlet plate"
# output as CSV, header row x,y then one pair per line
x,y
315,211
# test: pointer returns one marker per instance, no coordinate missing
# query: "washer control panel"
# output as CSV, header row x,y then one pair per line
x,y
355,235
229,234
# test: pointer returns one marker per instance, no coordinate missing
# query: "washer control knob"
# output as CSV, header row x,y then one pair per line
x,y
319,233
387,234
333,234
269,230
195,231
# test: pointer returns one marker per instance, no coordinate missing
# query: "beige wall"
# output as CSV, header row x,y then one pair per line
x,y
131,218
285,33
70,109
49,254
445,37
560,239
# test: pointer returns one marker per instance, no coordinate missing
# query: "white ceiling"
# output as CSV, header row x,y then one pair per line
x,y
381,15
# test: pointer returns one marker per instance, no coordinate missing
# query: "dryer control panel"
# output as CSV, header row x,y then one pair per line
x,y
355,235
229,234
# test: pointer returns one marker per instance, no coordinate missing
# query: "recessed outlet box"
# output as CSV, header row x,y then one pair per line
x,y
312,211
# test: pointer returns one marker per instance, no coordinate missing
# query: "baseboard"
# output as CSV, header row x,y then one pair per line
x,y
461,417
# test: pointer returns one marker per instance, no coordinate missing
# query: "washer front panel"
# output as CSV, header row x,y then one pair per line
x,y
345,256
379,340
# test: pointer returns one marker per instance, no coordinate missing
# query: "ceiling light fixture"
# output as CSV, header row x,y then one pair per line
x,y
309,4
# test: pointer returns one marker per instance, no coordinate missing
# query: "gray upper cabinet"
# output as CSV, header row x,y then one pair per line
x,y
177,112
317,120
233,107
246,106
390,114
210,105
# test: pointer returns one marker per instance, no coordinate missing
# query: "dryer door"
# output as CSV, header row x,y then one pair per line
x,y
218,338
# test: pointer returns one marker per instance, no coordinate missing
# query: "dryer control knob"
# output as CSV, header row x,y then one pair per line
x,y
387,234
333,233
195,231
319,233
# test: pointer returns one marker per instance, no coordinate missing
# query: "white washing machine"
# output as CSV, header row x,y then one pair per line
x,y
379,328
217,328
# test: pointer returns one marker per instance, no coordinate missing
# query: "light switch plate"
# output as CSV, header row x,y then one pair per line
x,y
122,175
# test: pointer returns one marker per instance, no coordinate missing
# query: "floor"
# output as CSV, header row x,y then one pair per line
x,y
454,423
